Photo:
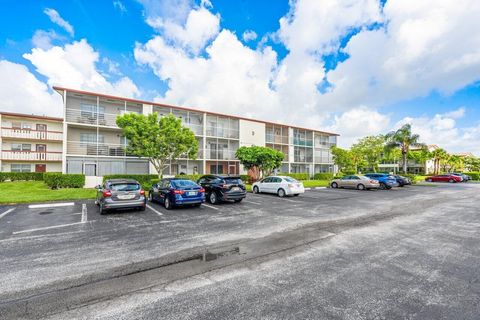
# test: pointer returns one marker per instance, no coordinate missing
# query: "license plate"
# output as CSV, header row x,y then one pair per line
x,y
126,196
235,189
191,193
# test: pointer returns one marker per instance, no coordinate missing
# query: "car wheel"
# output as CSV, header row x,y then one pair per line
x,y
167,203
281,193
451,181
255,189
96,202
142,208
361,187
238,200
334,185
212,198
150,196
296,194
383,186
401,185
102,209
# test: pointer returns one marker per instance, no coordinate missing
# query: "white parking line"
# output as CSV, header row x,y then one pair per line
x,y
6,212
50,205
209,206
47,228
248,201
84,213
154,210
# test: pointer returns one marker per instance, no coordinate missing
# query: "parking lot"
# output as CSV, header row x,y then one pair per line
x,y
66,244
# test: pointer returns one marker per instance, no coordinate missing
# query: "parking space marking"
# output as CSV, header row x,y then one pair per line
x,y
248,201
50,205
47,228
84,213
209,206
154,210
6,212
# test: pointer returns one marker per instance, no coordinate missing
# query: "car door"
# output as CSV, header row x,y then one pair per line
x,y
154,190
275,184
345,182
264,185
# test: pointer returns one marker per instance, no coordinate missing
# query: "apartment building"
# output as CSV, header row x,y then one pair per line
x,y
94,145
30,143
413,166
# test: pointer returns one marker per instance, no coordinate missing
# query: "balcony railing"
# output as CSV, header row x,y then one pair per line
x,y
93,118
94,149
222,132
221,154
199,155
271,138
324,144
31,155
302,142
196,128
31,134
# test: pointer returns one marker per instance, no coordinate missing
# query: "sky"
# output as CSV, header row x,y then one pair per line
x,y
354,67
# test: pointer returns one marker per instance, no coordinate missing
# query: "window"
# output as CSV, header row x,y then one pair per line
x,y
21,147
91,138
125,187
20,167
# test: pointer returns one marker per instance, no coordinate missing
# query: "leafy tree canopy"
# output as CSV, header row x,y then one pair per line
x,y
260,160
161,140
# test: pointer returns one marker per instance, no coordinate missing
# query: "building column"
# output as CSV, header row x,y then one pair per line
x,y
204,143
65,131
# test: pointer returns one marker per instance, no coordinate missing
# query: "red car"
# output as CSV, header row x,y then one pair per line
x,y
444,178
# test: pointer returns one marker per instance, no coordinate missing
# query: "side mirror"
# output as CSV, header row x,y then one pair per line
x,y
98,187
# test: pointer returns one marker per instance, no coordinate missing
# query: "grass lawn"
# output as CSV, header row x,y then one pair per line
x,y
37,191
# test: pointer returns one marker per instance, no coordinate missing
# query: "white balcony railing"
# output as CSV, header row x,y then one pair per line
x,y
222,132
221,154
31,155
93,118
94,149
31,134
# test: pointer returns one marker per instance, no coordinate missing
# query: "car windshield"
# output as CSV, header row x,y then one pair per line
x,y
125,187
232,180
183,183
288,179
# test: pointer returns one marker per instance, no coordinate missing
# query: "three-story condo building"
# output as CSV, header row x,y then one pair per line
x,y
94,145
30,143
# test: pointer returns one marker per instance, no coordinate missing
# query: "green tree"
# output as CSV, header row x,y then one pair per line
x,y
343,159
472,163
403,139
371,149
455,163
439,155
161,140
420,156
261,161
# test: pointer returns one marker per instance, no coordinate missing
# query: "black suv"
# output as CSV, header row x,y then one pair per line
x,y
222,188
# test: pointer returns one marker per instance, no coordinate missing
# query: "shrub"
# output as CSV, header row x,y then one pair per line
x,y
24,176
348,172
56,180
245,178
144,179
193,177
323,176
474,175
297,176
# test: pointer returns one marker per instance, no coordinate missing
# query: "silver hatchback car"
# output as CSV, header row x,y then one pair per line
x,y
120,194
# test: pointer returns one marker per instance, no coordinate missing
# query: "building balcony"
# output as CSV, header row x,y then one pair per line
x,y
222,133
301,142
276,139
31,155
222,154
30,134
94,149
91,118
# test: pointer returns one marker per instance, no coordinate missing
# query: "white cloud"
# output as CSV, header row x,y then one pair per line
x,y
57,19
442,130
43,39
117,4
74,65
26,94
156,11
357,123
249,35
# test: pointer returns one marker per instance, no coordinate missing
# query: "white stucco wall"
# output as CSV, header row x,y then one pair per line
x,y
252,133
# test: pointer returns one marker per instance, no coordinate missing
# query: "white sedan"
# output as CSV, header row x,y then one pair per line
x,y
280,185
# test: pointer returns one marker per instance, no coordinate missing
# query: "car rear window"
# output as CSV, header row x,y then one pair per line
x,y
288,179
183,183
232,180
125,187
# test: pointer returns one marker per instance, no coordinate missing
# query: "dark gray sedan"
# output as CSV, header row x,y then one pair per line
x,y
120,194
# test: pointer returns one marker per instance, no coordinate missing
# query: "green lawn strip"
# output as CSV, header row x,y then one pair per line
x,y
37,191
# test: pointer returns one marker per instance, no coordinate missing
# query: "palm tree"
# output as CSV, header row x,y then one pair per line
x,y
403,139
438,156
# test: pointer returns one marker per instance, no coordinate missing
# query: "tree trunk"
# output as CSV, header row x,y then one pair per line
x,y
404,155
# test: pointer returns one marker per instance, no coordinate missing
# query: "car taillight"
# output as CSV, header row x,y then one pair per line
x,y
142,192
373,181
107,193
201,190
178,191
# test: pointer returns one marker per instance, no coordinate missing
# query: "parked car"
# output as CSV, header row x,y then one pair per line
x,y
444,178
355,181
464,176
222,188
403,181
177,192
280,185
386,181
120,194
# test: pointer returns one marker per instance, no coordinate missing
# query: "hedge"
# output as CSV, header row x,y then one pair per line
x,y
144,179
323,176
297,176
57,180
474,175
25,176
193,177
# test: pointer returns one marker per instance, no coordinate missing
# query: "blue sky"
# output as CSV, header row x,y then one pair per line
x,y
357,69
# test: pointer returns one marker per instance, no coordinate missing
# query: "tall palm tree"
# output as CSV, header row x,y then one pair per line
x,y
403,139
439,155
